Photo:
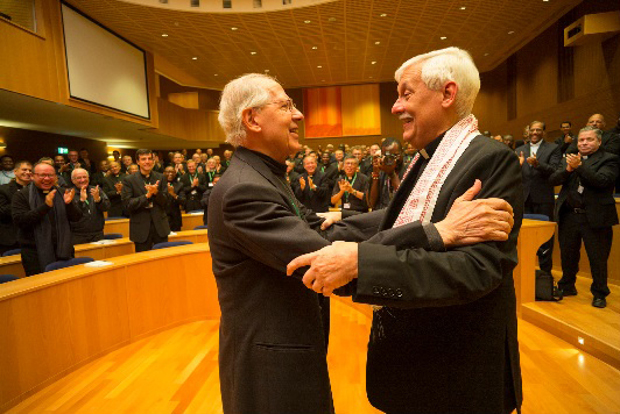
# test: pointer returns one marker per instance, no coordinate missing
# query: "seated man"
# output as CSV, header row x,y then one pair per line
x,y
42,212
351,189
93,202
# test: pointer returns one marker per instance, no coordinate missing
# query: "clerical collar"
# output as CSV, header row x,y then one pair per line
x,y
276,167
428,151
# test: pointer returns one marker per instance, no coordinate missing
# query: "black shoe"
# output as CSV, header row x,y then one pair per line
x,y
569,291
599,302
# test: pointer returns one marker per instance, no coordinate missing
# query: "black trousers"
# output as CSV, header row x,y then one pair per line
x,y
153,238
545,252
30,261
573,229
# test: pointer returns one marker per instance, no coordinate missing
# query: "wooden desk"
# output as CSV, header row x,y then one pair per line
x,y
533,234
12,265
55,322
190,221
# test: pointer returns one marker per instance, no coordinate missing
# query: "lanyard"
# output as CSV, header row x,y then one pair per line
x,y
291,199
211,174
352,181
191,179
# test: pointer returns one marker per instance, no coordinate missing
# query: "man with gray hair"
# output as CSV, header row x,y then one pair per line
x,y
272,353
444,339
93,202
586,211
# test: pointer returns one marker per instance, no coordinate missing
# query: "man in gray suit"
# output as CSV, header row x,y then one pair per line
x,y
272,353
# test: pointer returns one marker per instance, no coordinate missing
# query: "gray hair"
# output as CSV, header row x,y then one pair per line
x,y
77,170
445,65
247,91
598,132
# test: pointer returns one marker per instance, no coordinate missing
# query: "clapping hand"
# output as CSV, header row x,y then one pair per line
x,y
521,158
195,182
171,190
96,194
68,195
83,194
532,160
345,186
49,198
152,189
302,183
573,161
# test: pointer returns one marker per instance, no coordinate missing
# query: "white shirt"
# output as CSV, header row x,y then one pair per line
x,y
534,148
6,176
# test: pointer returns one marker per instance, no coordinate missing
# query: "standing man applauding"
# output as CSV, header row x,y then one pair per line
x,y
144,196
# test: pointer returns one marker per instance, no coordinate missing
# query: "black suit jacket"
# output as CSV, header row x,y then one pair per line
x,y
116,204
598,176
536,185
446,338
8,230
272,348
143,211
191,194
316,200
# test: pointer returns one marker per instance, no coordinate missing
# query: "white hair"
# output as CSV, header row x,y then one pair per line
x,y
247,91
77,170
445,65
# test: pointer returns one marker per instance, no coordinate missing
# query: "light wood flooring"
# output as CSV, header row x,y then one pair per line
x,y
176,372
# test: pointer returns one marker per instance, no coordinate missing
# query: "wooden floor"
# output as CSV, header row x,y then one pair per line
x,y
574,317
176,372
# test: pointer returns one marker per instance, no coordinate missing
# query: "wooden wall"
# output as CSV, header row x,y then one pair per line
x,y
548,82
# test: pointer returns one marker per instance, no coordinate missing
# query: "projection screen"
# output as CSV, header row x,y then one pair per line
x,y
104,69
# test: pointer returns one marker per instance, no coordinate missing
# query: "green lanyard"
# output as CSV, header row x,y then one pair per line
x,y
346,194
191,179
211,174
291,199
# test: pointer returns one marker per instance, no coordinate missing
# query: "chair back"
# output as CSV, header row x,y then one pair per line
x,y
61,264
111,236
11,252
539,217
165,245
203,227
7,278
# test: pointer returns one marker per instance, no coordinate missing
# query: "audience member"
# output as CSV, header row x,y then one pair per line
x,y
42,212
132,169
388,170
8,231
99,177
157,165
176,200
7,173
509,140
204,202
112,186
227,158
566,138
586,211
85,162
352,188
312,188
145,196
126,161
93,202
194,185
539,159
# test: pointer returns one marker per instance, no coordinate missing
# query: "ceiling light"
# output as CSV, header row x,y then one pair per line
x,y
234,28
511,32
377,43
463,8
307,21
252,53
320,67
314,47
486,54
443,38
215,74
322,80
370,77
383,15
164,35
195,58
331,19
374,62
266,70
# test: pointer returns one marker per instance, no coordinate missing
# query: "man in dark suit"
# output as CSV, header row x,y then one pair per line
x,y
112,186
177,199
8,231
194,185
445,338
352,189
610,141
567,137
144,196
93,202
586,210
539,159
312,188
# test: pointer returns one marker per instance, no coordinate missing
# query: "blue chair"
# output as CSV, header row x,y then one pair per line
x,y
7,278
111,236
539,217
11,252
165,245
203,227
195,212
115,218
61,264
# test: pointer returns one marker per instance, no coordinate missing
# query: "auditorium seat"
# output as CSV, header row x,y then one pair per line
x,y
7,278
115,218
165,245
11,252
539,217
111,236
67,263
203,227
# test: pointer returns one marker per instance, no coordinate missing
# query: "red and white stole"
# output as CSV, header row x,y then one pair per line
x,y
422,200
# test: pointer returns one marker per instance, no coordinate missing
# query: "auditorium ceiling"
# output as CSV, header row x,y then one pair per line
x,y
325,43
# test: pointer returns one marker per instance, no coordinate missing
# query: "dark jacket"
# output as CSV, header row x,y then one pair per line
x,y
90,227
316,200
8,231
598,176
446,338
191,194
116,204
536,185
173,208
142,211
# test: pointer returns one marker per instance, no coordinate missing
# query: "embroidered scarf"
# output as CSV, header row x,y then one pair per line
x,y
422,200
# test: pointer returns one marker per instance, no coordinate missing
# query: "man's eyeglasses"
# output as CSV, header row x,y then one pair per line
x,y
45,175
287,104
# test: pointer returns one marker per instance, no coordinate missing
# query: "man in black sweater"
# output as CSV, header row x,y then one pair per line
x,y
42,212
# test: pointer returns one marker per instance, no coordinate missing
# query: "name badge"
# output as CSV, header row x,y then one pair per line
x,y
210,184
194,192
150,205
580,189
346,206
